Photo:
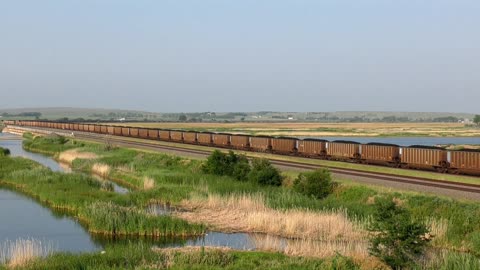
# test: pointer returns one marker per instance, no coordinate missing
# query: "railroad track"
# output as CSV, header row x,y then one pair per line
x,y
411,180
465,187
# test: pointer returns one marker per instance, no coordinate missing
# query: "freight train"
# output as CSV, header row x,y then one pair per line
x,y
411,157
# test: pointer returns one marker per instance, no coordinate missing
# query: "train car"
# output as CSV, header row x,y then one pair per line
x,y
465,161
284,145
176,135
261,143
204,138
134,132
343,150
104,129
9,122
117,131
143,133
221,139
110,130
424,157
164,134
98,129
76,127
91,128
380,153
240,141
190,137
312,147
126,131
153,134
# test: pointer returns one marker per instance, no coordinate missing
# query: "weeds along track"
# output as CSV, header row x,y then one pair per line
x,y
411,180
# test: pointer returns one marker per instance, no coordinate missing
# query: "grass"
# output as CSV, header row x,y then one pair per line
x,y
333,164
326,129
277,210
22,251
141,256
86,198
180,181
224,213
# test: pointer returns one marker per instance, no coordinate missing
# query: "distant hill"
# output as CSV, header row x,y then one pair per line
x,y
263,116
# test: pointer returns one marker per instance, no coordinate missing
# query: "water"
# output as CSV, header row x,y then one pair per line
x,y
16,150
406,141
24,218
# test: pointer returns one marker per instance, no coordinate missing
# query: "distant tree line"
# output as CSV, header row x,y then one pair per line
x,y
23,114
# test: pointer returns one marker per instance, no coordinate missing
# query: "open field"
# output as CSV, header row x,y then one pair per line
x,y
326,129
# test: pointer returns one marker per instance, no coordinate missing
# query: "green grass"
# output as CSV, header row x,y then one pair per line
x,y
141,256
176,179
90,201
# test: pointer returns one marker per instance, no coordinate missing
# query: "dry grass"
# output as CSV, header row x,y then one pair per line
x,y
70,155
18,253
101,169
438,229
148,183
247,213
325,129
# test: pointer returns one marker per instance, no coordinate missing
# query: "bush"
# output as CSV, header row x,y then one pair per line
x,y
230,164
4,151
317,184
264,173
397,239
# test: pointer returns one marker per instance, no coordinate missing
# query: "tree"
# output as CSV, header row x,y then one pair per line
x,y
476,119
182,118
397,239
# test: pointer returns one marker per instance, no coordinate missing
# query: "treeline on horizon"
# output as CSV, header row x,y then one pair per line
x,y
229,118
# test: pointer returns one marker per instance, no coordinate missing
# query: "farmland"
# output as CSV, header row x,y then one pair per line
x,y
327,129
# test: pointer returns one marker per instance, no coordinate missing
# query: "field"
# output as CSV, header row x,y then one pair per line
x,y
326,129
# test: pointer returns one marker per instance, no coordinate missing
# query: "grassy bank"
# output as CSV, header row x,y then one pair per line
x,y
139,256
90,200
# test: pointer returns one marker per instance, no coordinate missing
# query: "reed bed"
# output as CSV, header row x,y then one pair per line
x,y
110,219
248,213
102,170
21,251
70,155
148,183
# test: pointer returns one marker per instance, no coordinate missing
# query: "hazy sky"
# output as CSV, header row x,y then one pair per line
x,y
241,55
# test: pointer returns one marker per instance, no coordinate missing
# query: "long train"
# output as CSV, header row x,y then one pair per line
x,y
411,157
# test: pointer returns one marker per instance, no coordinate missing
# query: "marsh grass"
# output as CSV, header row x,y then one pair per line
x,y
71,155
148,183
249,213
21,251
457,224
102,170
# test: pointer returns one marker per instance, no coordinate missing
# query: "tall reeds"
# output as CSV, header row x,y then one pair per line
x,y
21,251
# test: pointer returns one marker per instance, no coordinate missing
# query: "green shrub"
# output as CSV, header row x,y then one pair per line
x,y
397,239
317,184
4,151
230,164
264,173
241,170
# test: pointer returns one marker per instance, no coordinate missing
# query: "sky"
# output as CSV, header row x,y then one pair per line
x,y
241,55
